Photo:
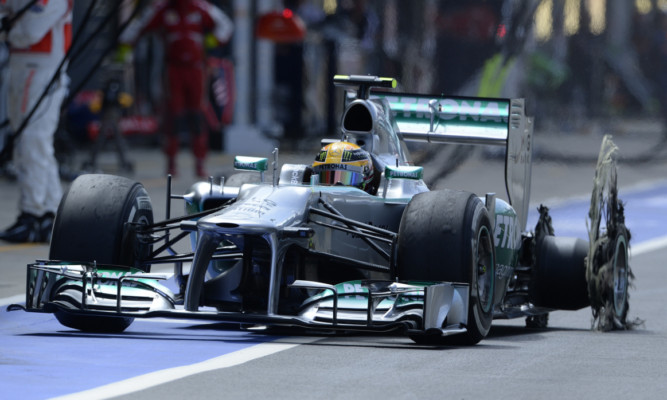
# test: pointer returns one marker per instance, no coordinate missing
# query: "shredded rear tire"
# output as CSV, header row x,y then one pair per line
x,y
608,272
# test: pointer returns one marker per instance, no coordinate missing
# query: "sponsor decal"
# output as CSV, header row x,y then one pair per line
x,y
250,163
507,242
507,234
356,296
415,173
335,151
295,179
354,155
144,203
522,155
255,206
337,167
351,287
450,109
113,274
109,278
321,156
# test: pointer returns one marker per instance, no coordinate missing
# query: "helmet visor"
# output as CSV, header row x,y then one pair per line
x,y
338,177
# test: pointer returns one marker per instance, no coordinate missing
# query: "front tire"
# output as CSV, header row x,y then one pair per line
x,y
447,236
92,226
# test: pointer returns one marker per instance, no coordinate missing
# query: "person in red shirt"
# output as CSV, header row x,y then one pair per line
x,y
183,25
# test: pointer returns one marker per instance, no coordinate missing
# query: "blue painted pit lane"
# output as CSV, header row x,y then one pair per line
x,y
39,358
645,214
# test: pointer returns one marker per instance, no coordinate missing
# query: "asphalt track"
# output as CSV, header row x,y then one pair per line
x,y
176,359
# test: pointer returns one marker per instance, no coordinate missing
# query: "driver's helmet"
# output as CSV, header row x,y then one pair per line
x,y
344,163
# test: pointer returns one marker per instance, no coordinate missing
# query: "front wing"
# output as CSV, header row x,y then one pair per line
x,y
379,306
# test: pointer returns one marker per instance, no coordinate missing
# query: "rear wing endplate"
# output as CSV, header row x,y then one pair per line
x,y
472,120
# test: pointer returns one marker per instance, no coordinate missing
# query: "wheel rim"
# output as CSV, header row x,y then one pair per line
x,y
620,268
485,271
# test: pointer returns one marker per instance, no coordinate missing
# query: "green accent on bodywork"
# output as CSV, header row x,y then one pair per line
x,y
507,239
404,172
46,279
452,115
244,163
105,274
192,208
116,273
352,295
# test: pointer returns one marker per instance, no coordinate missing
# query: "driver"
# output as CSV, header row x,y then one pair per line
x,y
344,163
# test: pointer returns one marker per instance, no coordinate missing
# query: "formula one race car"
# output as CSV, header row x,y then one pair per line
x,y
354,242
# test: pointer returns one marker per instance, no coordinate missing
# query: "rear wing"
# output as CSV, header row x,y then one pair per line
x,y
471,120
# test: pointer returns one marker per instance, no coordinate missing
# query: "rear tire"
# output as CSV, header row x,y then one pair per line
x,y
612,282
447,236
621,271
91,226
559,276
608,273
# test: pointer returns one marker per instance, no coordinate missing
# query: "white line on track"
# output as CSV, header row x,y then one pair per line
x,y
648,246
628,190
18,299
146,381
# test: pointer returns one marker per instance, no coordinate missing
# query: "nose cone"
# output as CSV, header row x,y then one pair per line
x,y
261,209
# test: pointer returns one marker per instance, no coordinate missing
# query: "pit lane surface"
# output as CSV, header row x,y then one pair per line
x,y
41,359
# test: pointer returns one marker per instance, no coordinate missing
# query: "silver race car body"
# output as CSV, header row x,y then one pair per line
x,y
288,251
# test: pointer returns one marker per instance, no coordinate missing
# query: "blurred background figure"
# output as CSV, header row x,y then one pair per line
x,y
585,67
110,105
39,34
658,69
185,26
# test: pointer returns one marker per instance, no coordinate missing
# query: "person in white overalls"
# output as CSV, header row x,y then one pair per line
x,y
39,39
